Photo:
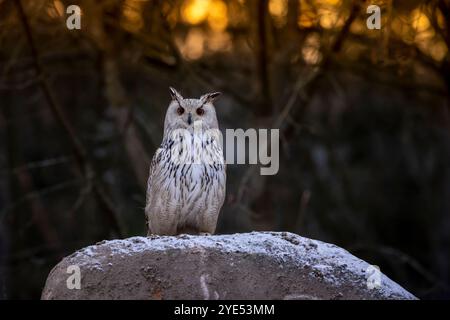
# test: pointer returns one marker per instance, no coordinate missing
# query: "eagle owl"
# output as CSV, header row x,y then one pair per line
x,y
186,184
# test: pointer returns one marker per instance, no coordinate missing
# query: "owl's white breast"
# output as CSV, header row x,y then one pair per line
x,y
191,172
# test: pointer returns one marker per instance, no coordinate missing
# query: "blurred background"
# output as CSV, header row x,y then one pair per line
x,y
363,117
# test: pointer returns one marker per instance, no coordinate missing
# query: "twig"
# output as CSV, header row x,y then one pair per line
x,y
405,258
40,193
200,76
19,86
327,59
301,86
262,58
78,149
302,209
38,164
84,192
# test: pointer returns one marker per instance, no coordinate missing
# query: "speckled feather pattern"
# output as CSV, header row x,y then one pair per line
x,y
186,185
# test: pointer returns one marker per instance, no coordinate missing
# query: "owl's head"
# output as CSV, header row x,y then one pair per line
x,y
185,113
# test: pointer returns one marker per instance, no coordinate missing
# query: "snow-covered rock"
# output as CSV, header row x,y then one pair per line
x,y
257,265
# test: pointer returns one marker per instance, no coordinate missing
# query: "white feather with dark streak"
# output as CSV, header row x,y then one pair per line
x,y
185,193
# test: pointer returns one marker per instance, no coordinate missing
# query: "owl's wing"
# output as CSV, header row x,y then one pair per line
x,y
153,168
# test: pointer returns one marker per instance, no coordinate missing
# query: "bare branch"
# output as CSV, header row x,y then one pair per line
x,y
80,152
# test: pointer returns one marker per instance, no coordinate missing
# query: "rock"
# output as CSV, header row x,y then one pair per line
x,y
257,265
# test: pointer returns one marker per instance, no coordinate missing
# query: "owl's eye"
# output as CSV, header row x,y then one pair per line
x,y
200,111
180,110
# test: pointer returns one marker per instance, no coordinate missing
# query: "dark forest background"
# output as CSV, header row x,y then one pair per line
x,y
363,116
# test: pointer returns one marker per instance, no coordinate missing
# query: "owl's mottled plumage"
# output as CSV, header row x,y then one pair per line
x,y
186,185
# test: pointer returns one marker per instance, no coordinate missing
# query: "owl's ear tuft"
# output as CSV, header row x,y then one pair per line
x,y
210,97
174,94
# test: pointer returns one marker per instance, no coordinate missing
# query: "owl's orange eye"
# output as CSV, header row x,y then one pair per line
x,y
180,110
200,111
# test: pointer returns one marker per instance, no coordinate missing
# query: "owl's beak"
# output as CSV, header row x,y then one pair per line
x,y
189,119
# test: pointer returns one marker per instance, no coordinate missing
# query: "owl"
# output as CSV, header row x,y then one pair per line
x,y
186,184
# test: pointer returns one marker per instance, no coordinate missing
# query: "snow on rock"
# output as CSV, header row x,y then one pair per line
x,y
256,265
